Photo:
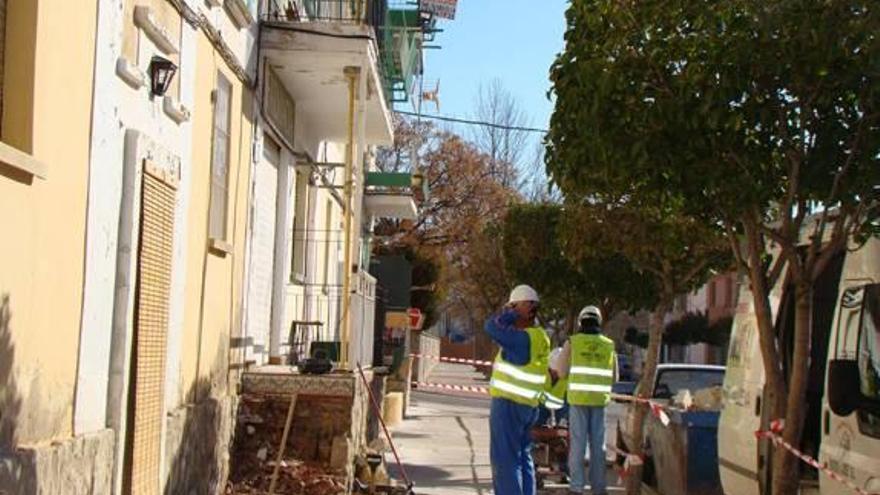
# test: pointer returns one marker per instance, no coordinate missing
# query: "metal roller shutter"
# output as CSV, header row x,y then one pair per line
x,y
259,310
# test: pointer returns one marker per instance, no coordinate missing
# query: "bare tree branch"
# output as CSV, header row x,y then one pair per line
x,y
819,233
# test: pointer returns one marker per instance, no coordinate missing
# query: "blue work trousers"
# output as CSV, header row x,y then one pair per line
x,y
587,424
510,449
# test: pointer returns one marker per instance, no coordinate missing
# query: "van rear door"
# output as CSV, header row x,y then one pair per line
x,y
851,442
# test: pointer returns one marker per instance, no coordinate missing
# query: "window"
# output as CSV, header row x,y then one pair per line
x,y
670,382
17,94
300,228
220,159
869,359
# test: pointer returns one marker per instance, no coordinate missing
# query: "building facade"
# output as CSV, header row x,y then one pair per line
x,y
47,85
184,190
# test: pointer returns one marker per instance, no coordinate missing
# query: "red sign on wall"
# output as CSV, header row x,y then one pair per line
x,y
416,318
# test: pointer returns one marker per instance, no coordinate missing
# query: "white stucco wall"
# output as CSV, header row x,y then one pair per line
x,y
105,183
119,107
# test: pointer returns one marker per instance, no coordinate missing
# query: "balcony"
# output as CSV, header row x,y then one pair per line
x,y
308,44
390,195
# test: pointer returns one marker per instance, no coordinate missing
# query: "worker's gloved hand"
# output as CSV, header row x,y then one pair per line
x,y
508,317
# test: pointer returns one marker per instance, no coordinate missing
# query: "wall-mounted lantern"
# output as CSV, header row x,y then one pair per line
x,y
161,73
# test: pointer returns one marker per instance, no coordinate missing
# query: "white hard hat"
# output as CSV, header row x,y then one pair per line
x,y
590,312
522,293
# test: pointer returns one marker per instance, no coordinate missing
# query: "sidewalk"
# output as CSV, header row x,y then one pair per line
x,y
444,445
444,441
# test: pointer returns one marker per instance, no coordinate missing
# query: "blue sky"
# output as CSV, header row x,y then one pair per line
x,y
512,40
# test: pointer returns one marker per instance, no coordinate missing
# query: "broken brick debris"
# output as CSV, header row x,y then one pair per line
x,y
258,432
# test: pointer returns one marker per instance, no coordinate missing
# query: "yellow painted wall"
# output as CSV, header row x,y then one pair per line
x,y
214,281
50,49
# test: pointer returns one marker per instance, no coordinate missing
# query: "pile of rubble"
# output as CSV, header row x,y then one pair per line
x,y
707,399
257,437
294,478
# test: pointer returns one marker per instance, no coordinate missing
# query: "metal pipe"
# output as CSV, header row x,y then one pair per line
x,y
353,75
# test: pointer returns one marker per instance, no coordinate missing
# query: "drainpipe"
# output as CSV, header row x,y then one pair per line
x,y
352,74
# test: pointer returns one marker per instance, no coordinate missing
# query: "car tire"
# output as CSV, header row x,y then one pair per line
x,y
649,472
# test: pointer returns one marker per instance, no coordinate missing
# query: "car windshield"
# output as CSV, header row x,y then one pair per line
x,y
670,382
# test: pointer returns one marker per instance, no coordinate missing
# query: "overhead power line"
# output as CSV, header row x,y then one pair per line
x,y
474,122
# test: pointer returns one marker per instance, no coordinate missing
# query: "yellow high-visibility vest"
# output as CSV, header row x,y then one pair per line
x,y
523,384
554,395
592,370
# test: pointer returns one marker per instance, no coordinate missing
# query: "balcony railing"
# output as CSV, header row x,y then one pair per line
x,y
400,27
355,12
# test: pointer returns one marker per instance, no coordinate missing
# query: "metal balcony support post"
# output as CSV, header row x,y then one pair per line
x,y
352,74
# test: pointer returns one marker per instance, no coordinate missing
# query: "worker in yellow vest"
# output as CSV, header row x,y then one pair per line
x,y
517,385
590,363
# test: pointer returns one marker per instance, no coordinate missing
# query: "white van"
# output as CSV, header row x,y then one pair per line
x,y
842,428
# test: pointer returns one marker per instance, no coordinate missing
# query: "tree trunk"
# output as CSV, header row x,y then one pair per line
x,y
786,469
774,381
646,391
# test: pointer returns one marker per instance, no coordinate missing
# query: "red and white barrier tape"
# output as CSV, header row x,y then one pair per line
x,y
774,435
658,410
475,362
455,388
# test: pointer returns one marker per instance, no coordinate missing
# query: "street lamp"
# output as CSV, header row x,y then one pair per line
x,y
161,73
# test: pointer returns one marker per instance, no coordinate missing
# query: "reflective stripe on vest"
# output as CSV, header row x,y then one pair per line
x,y
585,387
554,395
586,370
553,402
517,373
592,370
523,384
514,389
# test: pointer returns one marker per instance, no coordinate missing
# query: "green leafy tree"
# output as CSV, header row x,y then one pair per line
x,y
534,253
759,117
692,328
672,252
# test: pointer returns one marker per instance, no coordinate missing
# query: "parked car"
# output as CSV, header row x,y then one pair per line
x,y
698,473
672,378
